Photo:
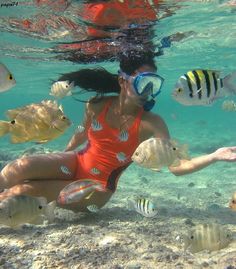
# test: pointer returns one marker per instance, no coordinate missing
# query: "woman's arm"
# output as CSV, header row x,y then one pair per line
x,y
80,136
77,139
158,129
227,154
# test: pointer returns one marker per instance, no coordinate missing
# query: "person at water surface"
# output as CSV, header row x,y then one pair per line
x,y
114,125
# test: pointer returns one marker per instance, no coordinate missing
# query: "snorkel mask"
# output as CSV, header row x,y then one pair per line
x,y
145,84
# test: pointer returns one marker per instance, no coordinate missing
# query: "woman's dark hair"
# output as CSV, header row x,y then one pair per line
x,y
131,60
103,82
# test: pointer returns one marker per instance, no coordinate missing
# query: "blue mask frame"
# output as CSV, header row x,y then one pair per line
x,y
149,79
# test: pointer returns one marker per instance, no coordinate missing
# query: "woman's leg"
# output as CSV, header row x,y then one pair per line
x,y
44,166
50,189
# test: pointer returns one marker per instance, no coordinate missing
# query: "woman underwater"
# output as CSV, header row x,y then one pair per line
x,y
114,126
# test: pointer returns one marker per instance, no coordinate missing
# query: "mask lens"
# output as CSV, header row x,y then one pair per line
x,y
148,83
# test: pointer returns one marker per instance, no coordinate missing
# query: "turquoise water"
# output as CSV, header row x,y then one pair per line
x,y
211,47
204,129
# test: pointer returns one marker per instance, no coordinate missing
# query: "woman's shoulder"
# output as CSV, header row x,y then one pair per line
x,y
96,105
151,117
153,125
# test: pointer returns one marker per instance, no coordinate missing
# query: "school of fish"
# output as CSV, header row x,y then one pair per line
x,y
39,123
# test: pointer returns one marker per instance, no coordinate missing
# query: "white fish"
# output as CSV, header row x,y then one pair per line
x,y
20,209
156,153
202,87
207,237
7,80
78,190
143,206
61,89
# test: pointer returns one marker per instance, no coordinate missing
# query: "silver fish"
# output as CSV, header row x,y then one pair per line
x,y
155,153
20,209
202,87
207,237
61,89
78,190
7,80
143,206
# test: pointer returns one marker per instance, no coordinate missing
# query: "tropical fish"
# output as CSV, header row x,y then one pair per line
x,y
7,80
19,209
207,237
143,206
78,190
202,87
232,203
35,122
61,89
229,105
156,153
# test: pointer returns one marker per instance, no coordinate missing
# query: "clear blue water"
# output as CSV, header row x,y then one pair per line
x,y
211,47
204,129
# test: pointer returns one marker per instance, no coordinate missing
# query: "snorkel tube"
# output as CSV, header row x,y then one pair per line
x,y
149,105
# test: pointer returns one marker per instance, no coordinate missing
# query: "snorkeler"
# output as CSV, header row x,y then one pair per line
x,y
116,121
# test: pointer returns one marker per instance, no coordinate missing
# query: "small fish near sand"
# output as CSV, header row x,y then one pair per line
x,y
78,190
143,206
155,153
20,209
7,80
60,89
232,203
207,237
39,123
203,87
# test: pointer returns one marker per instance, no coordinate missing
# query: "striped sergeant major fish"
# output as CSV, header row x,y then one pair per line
x,y
203,87
143,206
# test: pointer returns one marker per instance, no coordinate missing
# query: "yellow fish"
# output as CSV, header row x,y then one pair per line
x,y
155,153
20,209
35,122
207,237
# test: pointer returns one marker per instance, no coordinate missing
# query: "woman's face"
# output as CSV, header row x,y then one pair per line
x,y
128,88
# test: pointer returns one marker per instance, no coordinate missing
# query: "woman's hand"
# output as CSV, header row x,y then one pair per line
x,y
227,154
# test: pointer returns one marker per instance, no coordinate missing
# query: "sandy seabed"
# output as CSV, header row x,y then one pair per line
x,y
116,237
